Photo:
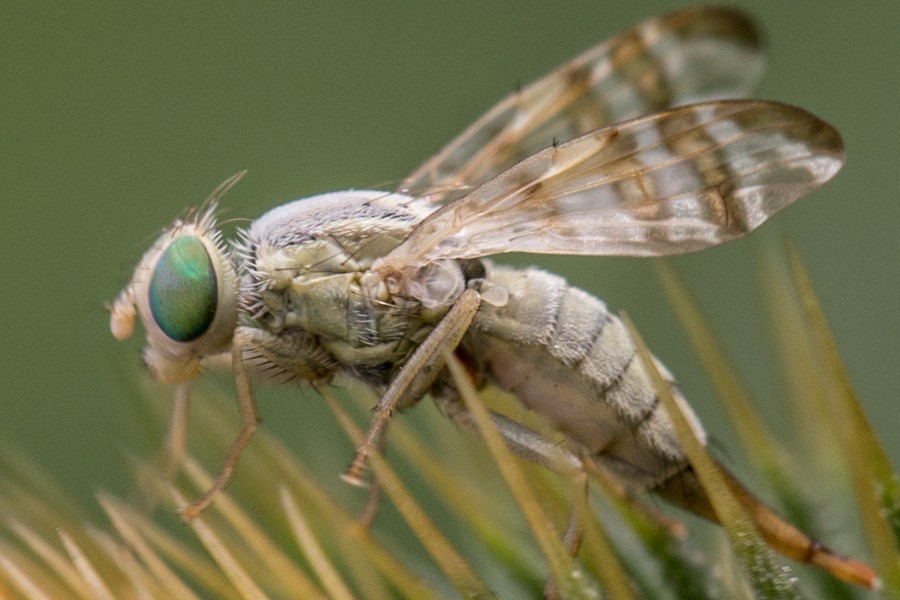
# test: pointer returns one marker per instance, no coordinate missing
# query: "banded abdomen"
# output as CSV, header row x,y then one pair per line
x,y
564,355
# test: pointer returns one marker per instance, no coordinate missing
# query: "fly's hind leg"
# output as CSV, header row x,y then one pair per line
x,y
530,445
523,441
415,377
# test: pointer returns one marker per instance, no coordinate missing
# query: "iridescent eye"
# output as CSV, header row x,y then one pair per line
x,y
183,290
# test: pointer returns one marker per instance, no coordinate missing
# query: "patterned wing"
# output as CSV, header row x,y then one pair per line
x,y
673,182
686,56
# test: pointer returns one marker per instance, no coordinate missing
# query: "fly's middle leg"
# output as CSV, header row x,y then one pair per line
x,y
415,377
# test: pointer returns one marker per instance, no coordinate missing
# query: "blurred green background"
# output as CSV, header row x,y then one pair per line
x,y
114,117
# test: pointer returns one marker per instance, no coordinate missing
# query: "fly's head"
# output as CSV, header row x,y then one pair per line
x,y
185,291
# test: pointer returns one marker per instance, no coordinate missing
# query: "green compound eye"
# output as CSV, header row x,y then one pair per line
x,y
183,290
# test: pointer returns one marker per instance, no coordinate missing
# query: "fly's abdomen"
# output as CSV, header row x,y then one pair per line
x,y
565,356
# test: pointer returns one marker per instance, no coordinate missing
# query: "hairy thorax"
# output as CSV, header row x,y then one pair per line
x,y
306,270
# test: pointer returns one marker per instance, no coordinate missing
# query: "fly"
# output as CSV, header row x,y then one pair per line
x,y
634,148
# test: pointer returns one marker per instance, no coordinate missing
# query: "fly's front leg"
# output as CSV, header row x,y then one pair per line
x,y
249,422
175,444
415,376
150,486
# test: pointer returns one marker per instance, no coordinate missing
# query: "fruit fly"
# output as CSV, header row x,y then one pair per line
x,y
637,147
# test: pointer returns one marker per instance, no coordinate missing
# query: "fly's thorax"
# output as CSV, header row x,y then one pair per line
x,y
436,286
360,324
321,236
308,266
185,291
